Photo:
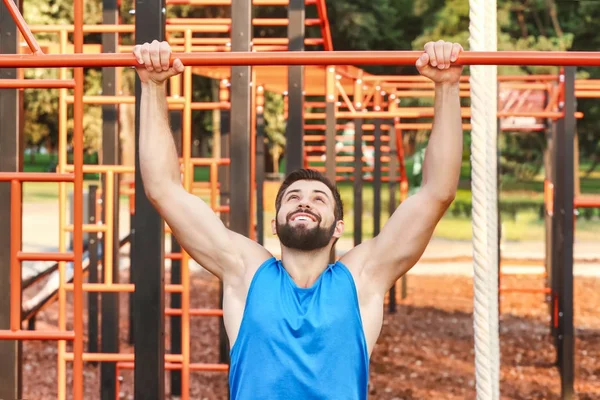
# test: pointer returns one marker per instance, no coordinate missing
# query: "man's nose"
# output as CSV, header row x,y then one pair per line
x,y
304,204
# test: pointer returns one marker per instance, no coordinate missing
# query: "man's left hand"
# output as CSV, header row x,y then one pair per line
x,y
436,62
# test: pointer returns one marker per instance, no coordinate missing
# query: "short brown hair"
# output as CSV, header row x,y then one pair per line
x,y
311,175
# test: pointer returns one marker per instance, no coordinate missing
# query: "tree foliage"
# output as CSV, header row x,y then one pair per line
x,y
355,25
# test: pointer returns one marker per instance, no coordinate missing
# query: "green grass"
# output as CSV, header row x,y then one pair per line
x,y
524,224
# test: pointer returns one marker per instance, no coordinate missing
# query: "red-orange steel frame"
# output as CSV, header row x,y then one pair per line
x,y
547,58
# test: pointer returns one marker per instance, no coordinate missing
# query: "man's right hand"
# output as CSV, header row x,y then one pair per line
x,y
154,62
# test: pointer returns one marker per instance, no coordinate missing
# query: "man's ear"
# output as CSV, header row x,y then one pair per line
x,y
274,227
339,229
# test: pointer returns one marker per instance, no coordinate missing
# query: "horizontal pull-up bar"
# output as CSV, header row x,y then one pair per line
x,y
556,58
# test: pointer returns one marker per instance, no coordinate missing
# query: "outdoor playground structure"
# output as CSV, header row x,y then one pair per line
x,y
339,92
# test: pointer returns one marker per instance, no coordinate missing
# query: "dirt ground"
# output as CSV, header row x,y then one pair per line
x,y
425,350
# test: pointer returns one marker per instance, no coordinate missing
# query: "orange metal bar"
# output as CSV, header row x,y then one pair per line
x,y
325,30
423,112
210,106
176,366
228,2
196,312
23,28
420,78
587,201
106,99
89,228
525,290
103,169
549,58
320,138
365,127
227,21
285,41
118,287
78,205
587,94
173,256
15,248
22,256
36,83
36,335
116,357
35,177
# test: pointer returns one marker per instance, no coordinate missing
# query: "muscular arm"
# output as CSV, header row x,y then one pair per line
x,y
197,228
405,236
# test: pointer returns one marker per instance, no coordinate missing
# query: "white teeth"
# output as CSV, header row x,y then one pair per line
x,y
301,218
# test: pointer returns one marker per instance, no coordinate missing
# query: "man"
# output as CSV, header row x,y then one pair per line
x,y
301,328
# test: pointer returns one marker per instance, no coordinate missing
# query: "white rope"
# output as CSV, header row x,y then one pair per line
x,y
492,191
483,97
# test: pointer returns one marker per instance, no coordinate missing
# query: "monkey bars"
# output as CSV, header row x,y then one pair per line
x,y
545,58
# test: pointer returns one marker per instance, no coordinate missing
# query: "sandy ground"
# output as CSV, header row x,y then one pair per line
x,y
426,347
425,350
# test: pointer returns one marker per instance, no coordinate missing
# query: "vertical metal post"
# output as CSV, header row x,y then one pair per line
x,y
358,181
330,141
176,118
149,296
110,156
392,187
92,274
294,149
260,165
224,175
550,126
377,178
239,145
239,142
330,153
225,196
563,234
10,159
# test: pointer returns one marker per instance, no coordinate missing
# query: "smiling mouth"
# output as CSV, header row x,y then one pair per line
x,y
303,217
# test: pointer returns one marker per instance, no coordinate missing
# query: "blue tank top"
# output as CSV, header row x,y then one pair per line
x,y
300,343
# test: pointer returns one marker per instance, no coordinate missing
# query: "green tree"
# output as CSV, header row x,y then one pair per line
x,y
41,105
275,125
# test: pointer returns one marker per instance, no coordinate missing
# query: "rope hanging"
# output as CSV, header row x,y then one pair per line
x,y
492,191
483,160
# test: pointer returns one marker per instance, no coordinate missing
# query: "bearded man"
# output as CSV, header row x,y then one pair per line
x,y
301,327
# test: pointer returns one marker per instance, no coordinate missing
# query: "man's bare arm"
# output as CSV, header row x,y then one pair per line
x,y
195,225
406,234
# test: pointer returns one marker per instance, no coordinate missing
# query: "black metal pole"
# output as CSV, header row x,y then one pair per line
x,y
225,196
10,160
563,238
294,134
330,120
260,176
110,156
92,274
176,118
240,117
358,181
149,294
392,187
558,131
377,178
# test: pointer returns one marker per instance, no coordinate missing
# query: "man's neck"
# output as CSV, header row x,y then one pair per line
x,y
305,267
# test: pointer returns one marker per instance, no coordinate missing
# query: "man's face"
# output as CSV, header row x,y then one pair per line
x,y
306,220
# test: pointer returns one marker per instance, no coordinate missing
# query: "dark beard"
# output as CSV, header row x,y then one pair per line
x,y
301,238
